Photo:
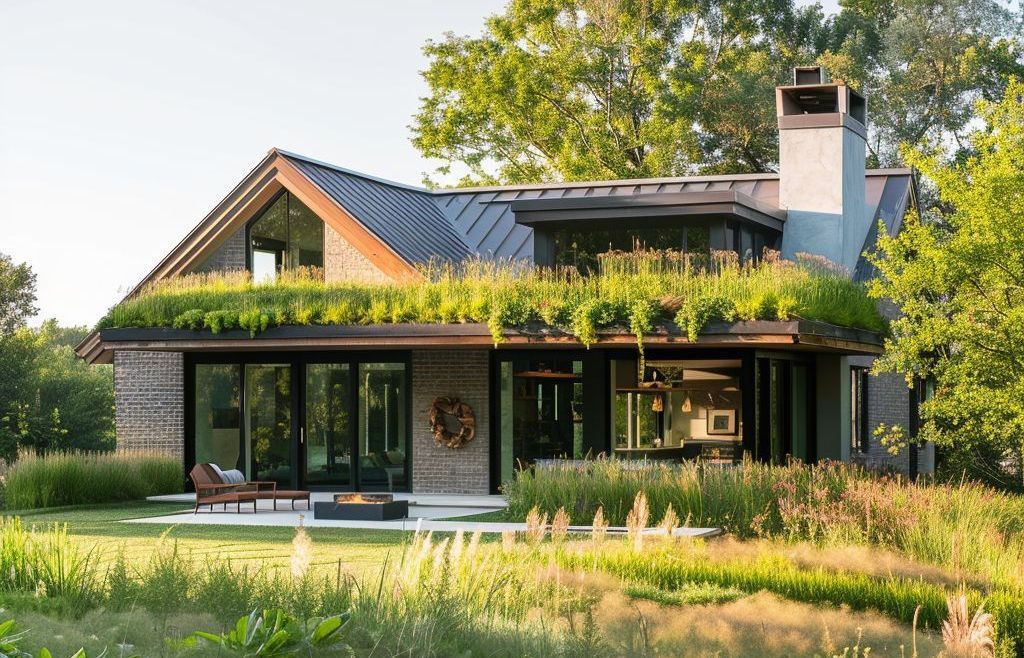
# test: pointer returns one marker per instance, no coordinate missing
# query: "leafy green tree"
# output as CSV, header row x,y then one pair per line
x,y
923,64
49,399
17,294
957,277
598,89
592,89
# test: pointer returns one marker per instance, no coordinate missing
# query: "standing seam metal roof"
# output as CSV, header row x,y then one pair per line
x,y
421,224
405,219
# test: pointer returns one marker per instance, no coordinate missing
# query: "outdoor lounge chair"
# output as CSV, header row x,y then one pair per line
x,y
210,490
261,489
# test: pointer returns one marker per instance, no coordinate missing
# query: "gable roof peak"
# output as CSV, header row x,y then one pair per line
x,y
344,170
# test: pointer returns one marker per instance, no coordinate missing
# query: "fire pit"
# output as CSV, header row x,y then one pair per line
x,y
362,507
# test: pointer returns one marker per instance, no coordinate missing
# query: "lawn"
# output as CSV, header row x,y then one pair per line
x,y
99,527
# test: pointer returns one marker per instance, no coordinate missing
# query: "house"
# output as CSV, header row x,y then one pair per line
x,y
345,407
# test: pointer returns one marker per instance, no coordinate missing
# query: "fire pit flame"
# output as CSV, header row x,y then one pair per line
x,y
360,499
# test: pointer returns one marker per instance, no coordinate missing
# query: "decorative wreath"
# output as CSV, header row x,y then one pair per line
x,y
444,408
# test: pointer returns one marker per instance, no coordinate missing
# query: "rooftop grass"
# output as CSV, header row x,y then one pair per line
x,y
636,292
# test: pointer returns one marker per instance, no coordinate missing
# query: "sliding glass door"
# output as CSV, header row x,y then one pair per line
x,y
268,422
327,434
302,421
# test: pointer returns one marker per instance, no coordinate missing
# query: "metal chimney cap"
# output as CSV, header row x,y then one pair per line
x,y
809,75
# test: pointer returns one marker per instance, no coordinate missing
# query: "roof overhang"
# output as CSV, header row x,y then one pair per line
x,y
714,204
792,335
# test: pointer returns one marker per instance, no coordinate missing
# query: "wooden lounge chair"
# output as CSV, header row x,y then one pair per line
x,y
262,489
211,490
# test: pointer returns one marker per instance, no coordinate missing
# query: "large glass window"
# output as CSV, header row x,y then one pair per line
x,y
679,409
580,247
541,411
217,417
382,426
286,236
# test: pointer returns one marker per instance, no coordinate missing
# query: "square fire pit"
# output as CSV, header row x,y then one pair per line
x,y
362,507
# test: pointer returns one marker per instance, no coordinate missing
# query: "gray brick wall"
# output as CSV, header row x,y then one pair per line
x,y
888,403
149,401
227,257
457,373
343,262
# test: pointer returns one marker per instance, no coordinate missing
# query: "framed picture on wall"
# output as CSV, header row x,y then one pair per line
x,y
721,421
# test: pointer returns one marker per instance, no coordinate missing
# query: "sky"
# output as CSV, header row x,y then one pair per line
x,y
123,123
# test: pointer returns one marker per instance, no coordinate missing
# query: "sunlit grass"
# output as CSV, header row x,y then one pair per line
x,y
58,478
636,293
969,530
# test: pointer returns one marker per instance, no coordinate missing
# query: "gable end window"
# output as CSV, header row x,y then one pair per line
x,y
285,236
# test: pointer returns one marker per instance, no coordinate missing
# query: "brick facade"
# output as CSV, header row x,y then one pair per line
x,y
227,257
343,262
149,401
888,403
462,374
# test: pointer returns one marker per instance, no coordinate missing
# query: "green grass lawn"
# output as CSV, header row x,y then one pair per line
x,y
100,527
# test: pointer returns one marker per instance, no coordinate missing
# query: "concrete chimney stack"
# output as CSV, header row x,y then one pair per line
x,y
822,143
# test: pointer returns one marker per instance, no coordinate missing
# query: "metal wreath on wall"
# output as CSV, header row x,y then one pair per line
x,y
444,410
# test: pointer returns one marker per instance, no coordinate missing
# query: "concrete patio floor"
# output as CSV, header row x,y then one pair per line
x,y
436,512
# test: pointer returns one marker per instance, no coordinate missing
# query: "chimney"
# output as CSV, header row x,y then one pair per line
x,y
821,167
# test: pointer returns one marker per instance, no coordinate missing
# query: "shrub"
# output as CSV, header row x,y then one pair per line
x,y
82,478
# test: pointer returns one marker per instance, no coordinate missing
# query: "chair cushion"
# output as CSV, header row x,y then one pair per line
x,y
233,476
220,474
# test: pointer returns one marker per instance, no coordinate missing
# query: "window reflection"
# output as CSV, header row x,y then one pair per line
x,y
287,235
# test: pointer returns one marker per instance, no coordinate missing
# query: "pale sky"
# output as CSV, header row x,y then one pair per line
x,y
123,122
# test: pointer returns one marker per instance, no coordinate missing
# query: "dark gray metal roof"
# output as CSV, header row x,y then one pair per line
x,y
484,218
420,224
403,217
891,195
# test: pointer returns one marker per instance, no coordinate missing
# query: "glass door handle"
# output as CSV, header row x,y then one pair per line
x,y
302,435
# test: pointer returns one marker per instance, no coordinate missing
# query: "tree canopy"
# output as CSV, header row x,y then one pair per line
x,y
598,89
957,277
49,398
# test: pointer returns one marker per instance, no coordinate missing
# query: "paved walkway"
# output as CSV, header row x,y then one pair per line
x,y
438,512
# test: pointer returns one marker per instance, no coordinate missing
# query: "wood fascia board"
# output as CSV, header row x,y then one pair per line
x,y
192,244
341,220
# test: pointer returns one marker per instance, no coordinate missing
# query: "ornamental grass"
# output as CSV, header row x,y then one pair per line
x,y
66,478
633,292
967,528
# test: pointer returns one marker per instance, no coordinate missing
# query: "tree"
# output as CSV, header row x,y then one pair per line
x,y
17,294
49,398
957,277
923,64
597,89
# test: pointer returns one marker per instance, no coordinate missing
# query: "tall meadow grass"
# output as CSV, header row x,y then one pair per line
x,y
967,528
57,479
634,292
